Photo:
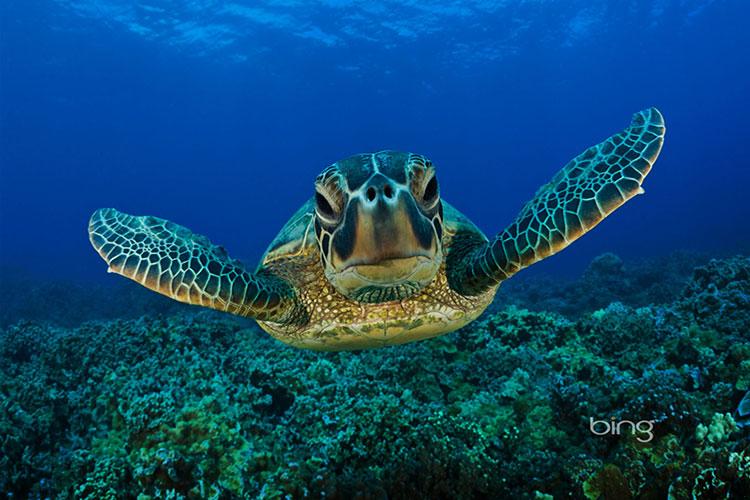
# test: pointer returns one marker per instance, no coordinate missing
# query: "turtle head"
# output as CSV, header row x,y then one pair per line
x,y
379,225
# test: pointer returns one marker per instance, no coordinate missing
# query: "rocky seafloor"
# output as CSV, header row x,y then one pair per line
x,y
189,404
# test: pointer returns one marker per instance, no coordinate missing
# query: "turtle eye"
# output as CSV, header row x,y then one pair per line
x,y
324,207
430,191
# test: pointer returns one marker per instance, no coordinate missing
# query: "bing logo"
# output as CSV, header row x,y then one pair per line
x,y
642,429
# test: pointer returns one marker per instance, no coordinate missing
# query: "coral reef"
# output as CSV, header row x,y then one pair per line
x,y
658,280
67,303
630,400
651,281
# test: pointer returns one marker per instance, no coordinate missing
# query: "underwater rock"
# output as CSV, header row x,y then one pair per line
x,y
654,281
718,295
66,303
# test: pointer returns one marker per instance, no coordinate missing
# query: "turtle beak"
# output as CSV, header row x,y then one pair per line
x,y
385,236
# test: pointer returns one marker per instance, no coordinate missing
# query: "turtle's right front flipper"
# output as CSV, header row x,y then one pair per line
x,y
170,259
589,188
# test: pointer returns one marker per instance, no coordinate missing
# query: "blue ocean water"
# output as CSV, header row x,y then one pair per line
x,y
220,115
619,368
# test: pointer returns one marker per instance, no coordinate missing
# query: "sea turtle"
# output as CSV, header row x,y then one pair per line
x,y
375,257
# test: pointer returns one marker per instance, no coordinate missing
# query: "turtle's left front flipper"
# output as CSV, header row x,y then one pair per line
x,y
582,194
172,260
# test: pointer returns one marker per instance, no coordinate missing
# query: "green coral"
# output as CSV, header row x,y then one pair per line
x,y
607,483
721,426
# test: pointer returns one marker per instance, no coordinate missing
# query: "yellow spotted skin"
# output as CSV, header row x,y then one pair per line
x,y
288,294
338,323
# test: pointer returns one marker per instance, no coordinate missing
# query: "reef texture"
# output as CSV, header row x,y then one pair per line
x,y
207,406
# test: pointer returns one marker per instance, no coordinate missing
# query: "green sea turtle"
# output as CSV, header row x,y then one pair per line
x,y
376,257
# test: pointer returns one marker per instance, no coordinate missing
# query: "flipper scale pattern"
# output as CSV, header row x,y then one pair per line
x,y
172,260
582,194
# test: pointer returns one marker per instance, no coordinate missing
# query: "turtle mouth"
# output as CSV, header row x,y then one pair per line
x,y
386,279
389,271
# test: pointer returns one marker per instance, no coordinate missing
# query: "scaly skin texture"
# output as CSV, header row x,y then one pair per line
x,y
338,323
589,188
291,292
170,259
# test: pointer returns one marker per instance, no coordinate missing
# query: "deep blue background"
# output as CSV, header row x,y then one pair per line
x,y
226,137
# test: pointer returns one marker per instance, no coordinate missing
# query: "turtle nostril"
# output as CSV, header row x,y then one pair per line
x,y
388,191
371,193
